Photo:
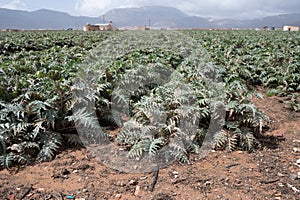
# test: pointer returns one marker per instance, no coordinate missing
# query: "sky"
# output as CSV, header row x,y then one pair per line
x,y
243,9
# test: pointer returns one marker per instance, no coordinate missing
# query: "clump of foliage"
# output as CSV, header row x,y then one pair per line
x,y
36,71
269,59
175,113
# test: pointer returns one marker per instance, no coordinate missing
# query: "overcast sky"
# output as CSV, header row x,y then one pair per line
x,y
207,8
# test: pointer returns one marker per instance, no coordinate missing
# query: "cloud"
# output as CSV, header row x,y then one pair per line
x,y
213,8
91,7
95,7
238,8
14,5
205,8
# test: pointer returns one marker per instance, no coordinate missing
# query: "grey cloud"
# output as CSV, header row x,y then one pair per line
x,y
211,8
15,5
241,8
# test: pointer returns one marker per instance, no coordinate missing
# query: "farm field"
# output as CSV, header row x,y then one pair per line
x,y
92,114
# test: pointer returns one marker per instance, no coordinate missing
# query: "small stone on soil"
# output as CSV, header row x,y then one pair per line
x,y
176,174
85,190
133,182
280,174
41,189
120,183
293,177
118,196
280,184
137,190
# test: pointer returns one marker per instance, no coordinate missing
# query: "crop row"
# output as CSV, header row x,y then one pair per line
x,y
161,89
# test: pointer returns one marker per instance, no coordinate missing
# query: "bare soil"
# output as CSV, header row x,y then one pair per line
x,y
269,173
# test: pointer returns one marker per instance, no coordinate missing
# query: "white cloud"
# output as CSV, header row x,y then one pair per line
x,y
96,7
14,5
91,7
238,8
206,8
213,8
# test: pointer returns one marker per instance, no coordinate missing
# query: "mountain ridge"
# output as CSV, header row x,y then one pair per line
x,y
155,16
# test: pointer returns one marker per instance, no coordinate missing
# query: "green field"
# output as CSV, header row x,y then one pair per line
x,y
49,79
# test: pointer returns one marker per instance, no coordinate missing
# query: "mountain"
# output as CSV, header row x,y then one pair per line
x,y
270,21
158,16
41,19
155,16
277,21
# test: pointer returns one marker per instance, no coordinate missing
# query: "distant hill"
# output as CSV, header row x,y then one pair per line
x,y
42,19
155,16
158,15
270,21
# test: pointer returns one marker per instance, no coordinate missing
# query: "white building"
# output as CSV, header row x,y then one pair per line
x,y
291,28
